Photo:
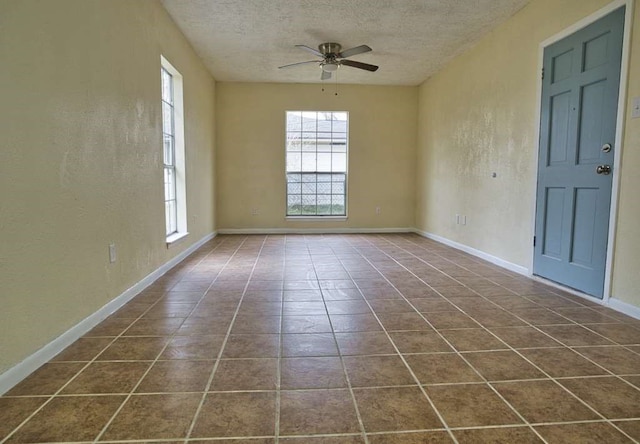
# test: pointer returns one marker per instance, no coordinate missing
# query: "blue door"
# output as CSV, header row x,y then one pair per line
x,y
577,132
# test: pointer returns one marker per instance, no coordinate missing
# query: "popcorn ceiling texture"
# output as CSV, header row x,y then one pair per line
x,y
246,41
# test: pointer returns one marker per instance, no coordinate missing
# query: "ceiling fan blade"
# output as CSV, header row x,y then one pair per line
x,y
354,51
325,75
299,63
354,64
311,50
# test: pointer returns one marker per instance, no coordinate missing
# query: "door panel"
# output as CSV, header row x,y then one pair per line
x,y
578,116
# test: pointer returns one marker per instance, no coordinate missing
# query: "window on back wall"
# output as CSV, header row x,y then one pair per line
x,y
173,152
317,153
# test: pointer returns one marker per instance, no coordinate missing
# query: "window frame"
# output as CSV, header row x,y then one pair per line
x,y
317,172
178,155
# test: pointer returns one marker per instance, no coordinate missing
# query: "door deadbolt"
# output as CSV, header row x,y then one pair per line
x,y
603,169
606,148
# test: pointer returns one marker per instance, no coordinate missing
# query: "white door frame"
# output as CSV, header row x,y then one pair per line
x,y
618,143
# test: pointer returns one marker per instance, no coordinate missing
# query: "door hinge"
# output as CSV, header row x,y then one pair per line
x,y
542,73
534,241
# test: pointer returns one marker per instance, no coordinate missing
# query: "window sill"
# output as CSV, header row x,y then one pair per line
x,y
176,238
316,218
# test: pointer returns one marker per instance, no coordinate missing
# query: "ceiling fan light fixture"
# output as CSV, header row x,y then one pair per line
x,y
329,66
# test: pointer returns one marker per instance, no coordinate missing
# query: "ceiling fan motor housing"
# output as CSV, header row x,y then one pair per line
x,y
330,48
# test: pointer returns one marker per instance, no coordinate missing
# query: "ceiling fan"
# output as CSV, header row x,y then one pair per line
x,y
333,57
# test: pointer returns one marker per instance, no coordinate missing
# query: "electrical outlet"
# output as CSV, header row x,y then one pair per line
x,y
377,210
464,220
255,211
457,219
112,253
635,108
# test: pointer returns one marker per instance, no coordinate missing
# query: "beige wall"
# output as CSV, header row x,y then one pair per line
x,y
81,162
251,153
478,116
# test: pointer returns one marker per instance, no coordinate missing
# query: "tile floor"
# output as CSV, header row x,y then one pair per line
x,y
339,339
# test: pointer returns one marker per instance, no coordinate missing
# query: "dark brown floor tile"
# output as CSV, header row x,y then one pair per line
x,y
395,409
260,308
47,380
471,405
182,296
441,368
621,333
309,284
176,376
239,441
107,377
562,362
430,305
312,344
618,360
110,327
353,439
306,324
335,284
236,414
574,335
133,349
495,318
585,315
513,302
403,321
374,371
540,316
390,306
544,401
610,396
303,295
256,324
206,326
304,308
169,310
252,346
411,438
350,307
419,342
264,296
472,303
455,291
635,380
502,366
589,433
364,343
631,428
15,410
73,418
352,323
550,300
450,319
308,373
84,349
473,339
502,435
345,294
245,374
154,327
193,347
317,412
524,337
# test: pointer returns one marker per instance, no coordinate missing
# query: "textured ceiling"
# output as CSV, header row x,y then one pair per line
x,y
246,40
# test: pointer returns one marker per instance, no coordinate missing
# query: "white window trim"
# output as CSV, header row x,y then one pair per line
x,y
180,163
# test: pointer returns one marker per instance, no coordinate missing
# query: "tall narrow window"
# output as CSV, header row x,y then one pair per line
x,y
173,152
317,151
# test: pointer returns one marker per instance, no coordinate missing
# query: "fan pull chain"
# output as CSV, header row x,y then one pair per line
x,y
336,73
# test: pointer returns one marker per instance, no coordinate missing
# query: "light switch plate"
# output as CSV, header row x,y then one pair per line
x,y
635,108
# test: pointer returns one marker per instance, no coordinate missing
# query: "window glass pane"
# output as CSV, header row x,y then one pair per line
x,y
294,120
167,118
294,161
309,188
167,91
294,188
309,161
168,149
339,162
170,188
309,121
294,177
324,205
324,177
294,205
324,188
308,204
324,161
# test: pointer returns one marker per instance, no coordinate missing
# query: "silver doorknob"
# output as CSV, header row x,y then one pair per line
x,y
603,169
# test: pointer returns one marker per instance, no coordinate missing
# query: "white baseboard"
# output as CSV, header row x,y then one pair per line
x,y
313,230
23,369
481,254
624,307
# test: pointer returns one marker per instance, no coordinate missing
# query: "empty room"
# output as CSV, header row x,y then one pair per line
x,y
323,222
